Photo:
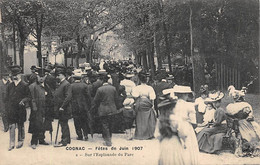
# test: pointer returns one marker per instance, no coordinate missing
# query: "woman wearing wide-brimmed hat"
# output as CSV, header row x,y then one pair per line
x,y
249,130
181,146
211,136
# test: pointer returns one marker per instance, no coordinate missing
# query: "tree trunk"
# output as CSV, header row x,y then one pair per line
x,y
21,53
150,53
79,44
145,66
157,49
3,51
196,56
14,43
168,53
39,26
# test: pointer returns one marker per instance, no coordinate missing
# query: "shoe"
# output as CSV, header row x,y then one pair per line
x,y
107,144
130,138
6,130
43,143
60,145
20,144
33,146
79,138
10,148
86,138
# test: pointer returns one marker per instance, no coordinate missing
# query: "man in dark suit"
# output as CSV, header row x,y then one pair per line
x,y
3,85
41,96
81,103
17,95
98,83
105,101
62,98
31,78
159,87
69,73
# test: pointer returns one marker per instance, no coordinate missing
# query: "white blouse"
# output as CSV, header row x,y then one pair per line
x,y
201,105
144,90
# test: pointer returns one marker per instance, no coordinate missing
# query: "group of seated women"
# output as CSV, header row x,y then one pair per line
x,y
211,123
233,124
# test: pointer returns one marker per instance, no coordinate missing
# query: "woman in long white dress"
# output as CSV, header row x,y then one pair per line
x,y
181,147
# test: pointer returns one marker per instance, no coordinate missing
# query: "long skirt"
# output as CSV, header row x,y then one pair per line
x,y
250,131
192,150
210,139
145,119
171,151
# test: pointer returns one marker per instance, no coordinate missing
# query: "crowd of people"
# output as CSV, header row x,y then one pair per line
x,y
120,97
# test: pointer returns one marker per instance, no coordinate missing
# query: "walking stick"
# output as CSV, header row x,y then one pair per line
x,y
51,136
57,133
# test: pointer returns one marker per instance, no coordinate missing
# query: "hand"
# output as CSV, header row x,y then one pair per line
x,y
61,109
21,103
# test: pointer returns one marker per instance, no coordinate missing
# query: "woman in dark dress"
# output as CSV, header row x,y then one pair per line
x,y
210,138
145,115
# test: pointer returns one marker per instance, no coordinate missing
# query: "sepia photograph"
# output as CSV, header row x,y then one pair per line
x,y
129,82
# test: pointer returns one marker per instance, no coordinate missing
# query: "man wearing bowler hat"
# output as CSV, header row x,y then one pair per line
x,y
17,95
62,99
40,118
31,78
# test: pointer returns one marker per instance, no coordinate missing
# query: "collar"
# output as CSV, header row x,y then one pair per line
x,y
16,82
105,83
42,84
164,80
4,81
69,77
62,80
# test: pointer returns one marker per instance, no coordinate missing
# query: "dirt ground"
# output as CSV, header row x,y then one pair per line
x,y
93,152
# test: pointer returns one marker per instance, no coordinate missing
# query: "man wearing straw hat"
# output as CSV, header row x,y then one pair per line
x,y
81,104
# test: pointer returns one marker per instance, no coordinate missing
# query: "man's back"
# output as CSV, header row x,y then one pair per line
x,y
106,100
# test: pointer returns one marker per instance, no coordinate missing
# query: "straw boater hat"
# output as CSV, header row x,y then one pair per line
x,y
167,98
182,89
213,97
128,102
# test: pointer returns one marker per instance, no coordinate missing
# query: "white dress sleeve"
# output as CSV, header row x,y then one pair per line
x,y
135,92
152,95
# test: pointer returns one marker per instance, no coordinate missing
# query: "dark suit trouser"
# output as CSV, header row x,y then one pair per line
x,y
37,136
107,122
5,122
65,130
80,123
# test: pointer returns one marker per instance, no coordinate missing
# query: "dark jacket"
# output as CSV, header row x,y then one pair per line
x,y
106,100
81,101
2,96
95,86
70,79
62,98
41,106
159,87
14,95
31,78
